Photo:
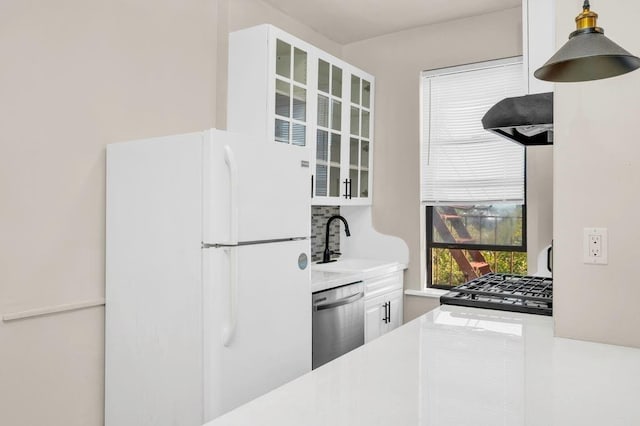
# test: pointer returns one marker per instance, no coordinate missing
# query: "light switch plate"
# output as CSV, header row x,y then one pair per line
x,y
595,246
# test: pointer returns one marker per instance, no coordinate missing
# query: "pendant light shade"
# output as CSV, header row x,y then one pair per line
x,y
588,55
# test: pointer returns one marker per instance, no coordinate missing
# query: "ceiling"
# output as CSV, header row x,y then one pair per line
x,y
348,21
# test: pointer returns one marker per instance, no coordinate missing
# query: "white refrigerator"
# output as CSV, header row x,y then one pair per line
x,y
208,300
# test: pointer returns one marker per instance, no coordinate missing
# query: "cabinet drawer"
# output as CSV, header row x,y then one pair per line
x,y
383,284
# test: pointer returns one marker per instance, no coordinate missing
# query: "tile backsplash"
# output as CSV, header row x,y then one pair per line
x,y
319,217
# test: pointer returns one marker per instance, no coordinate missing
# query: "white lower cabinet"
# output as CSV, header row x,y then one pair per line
x,y
382,305
395,309
374,314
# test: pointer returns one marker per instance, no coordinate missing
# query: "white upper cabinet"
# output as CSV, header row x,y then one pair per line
x,y
360,135
299,95
330,130
290,121
269,78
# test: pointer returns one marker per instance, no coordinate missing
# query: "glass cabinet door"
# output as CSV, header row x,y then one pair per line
x,y
329,131
359,139
290,94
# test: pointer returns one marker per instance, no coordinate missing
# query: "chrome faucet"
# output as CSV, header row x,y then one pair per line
x,y
326,257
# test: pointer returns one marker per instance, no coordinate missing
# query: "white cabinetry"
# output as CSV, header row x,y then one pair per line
x,y
297,94
328,161
342,161
383,305
360,135
269,85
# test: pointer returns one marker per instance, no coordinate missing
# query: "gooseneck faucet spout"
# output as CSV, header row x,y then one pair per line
x,y
326,257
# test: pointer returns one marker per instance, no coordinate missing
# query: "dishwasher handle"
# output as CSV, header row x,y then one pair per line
x,y
339,302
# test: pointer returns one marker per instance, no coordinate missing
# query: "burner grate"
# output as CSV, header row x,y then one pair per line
x,y
509,292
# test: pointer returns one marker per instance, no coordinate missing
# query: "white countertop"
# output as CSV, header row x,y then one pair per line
x,y
461,366
323,280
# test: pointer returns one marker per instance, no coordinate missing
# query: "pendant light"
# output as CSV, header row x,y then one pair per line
x,y
588,55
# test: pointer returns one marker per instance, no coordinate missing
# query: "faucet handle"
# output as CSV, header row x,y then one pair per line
x,y
337,253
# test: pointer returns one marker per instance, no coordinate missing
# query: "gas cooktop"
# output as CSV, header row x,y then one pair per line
x,y
505,292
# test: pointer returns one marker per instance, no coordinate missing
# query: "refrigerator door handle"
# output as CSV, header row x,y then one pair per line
x,y
229,329
230,160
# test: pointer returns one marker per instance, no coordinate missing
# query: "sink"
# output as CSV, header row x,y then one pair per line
x,y
350,265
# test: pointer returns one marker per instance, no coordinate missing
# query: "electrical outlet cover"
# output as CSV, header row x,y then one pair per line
x,y
595,246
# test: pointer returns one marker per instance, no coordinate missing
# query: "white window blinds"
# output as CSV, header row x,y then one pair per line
x,y
462,163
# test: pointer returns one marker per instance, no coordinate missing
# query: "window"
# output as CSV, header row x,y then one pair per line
x,y
464,242
472,180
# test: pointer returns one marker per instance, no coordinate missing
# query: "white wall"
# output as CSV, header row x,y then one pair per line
x,y
539,203
75,76
397,60
596,176
539,33
416,306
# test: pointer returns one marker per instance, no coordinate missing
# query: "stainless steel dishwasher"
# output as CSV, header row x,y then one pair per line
x,y
338,322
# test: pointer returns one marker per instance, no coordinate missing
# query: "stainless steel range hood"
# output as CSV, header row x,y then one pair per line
x,y
527,120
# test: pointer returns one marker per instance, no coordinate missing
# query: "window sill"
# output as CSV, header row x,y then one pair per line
x,y
433,293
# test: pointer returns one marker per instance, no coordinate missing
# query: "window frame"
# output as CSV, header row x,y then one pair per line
x,y
430,244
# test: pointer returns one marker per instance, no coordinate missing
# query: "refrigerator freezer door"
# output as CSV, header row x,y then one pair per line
x,y
270,305
254,190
